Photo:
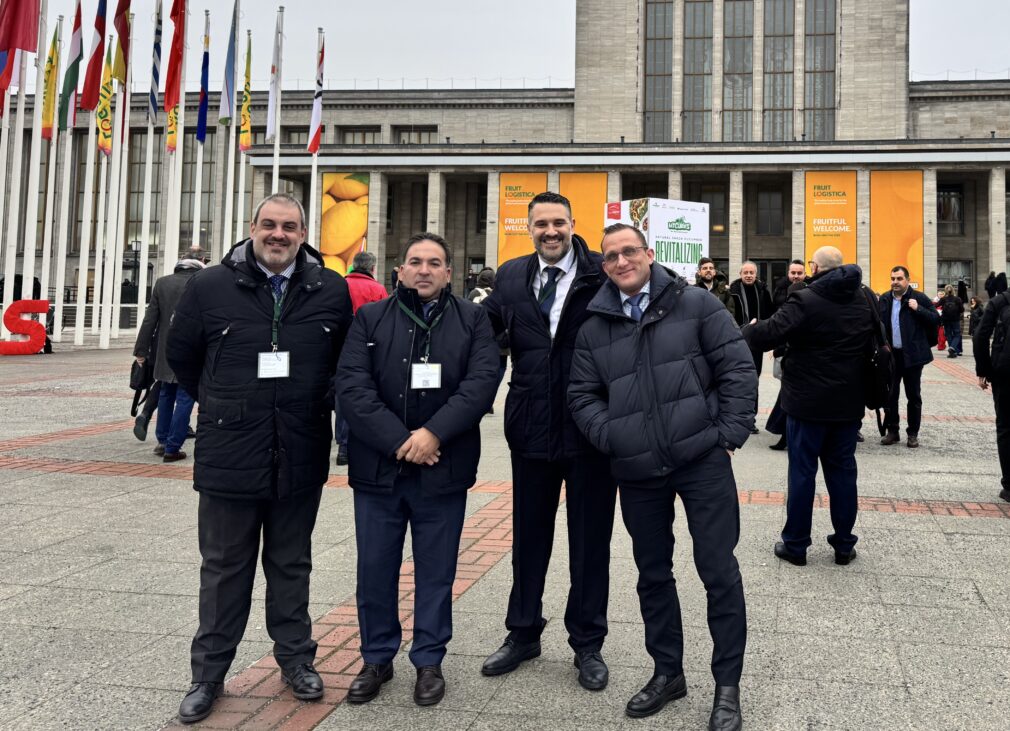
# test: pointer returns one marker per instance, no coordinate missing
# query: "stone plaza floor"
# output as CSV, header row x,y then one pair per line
x,y
99,578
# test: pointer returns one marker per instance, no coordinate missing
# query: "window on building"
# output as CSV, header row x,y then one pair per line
x,y
950,210
135,202
777,121
188,197
738,70
295,135
819,80
415,135
770,213
715,195
360,135
697,70
481,206
658,70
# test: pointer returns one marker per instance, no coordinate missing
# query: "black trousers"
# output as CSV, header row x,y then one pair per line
x,y
1001,400
912,378
229,532
708,492
590,499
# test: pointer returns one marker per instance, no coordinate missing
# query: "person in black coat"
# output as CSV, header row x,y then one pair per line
x,y
776,423
828,328
996,320
537,307
256,341
976,308
664,384
418,372
907,316
752,303
951,310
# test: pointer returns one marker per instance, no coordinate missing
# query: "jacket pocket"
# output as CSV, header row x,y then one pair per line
x,y
224,412
517,415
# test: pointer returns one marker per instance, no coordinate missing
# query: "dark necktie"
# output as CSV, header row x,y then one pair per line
x,y
548,291
636,311
277,283
427,307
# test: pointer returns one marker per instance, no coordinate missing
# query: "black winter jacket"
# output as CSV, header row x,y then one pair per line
x,y
260,438
659,394
914,346
373,385
828,327
764,302
538,423
153,333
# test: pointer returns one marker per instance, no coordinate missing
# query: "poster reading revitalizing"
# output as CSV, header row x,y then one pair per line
x,y
830,213
676,230
896,230
345,219
515,191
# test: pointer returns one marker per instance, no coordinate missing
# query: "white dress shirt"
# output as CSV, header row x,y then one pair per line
x,y
286,273
564,283
642,303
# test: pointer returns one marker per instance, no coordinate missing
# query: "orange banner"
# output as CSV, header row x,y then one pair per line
x,y
830,213
588,195
515,190
896,232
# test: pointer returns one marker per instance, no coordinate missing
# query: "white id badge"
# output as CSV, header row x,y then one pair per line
x,y
274,365
426,375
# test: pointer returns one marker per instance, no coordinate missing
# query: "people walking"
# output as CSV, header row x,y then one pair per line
x,y
992,367
951,311
976,308
714,281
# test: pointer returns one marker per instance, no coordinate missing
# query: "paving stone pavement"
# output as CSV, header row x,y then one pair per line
x,y
99,580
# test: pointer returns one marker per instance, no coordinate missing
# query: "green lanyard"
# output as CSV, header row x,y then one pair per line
x,y
424,326
275,325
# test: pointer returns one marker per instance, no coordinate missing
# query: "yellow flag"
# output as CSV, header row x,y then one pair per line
x,y
245,132
119,66
172,129
103,115
49,93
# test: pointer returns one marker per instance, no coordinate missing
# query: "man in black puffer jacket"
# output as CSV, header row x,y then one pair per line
x,y
828,326
418,372
256,342
663,383
537,307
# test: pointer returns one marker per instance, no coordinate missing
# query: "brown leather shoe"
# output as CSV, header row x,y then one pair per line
x,y
890,438
173,456
430,686
912,442
159,450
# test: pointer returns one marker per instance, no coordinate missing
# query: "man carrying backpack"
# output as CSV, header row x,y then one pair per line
x,y
993,368
951,311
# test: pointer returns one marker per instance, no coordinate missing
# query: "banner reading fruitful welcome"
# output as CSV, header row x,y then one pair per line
x,y
515,190
588,195
830,213
896,235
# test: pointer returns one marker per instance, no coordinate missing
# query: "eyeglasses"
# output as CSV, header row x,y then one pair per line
x,y
628,252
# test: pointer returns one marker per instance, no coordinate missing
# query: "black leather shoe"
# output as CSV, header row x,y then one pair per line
x,y
369,682
659,691
786,555
1004,494
190,433
890,438
779,445
844,559
429,688
198,702
726,709
173,456
509,656
306,685
859,436
159,450
755,430
140,426
341,456
593,673
912,441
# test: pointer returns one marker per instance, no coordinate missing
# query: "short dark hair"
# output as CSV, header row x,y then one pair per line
x,y
427,236
364,261
797,261
615,227
900,268
284,199
549,197
705,260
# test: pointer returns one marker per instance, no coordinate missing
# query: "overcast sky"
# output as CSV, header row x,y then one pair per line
x,y
445,43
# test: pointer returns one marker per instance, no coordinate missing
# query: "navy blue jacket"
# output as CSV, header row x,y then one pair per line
x,y
373,385
659,394
914,347
538,424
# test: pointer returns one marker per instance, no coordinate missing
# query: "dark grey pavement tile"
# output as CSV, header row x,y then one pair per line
x,y
88,706
925,591
807,704
9,590
18,514
853,659
976,669
65,654
138,577
22,540
976,626
103,543
396,718
826,580
964,525
828,618
39,568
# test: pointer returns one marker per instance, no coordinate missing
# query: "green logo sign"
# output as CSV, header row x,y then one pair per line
x,y
679,225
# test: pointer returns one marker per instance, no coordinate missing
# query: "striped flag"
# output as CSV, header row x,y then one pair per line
x,y
316,125
201,113
121,20
245,113
19,25
275,83
152,97
52,72
93,76
227,110
68,97
103,116
178,16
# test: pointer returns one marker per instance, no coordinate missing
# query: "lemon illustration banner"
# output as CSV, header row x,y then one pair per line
x,y
344,225
830,213
896,230
515,191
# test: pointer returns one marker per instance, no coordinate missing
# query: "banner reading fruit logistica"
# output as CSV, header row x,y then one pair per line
x,y
345,219
896,231
515,191
830,213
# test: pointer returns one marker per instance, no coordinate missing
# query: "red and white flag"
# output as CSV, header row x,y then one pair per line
x,y
93,76
174,76
316,125
275,82
19,25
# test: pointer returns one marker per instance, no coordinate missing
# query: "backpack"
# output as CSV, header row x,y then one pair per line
x,y
878,366
951,309
1000,353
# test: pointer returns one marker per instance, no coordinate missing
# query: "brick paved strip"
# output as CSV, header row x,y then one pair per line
x,y
36,440
962,374
35,393
891,505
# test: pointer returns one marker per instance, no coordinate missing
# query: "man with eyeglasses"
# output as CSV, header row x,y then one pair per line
x,y
663,383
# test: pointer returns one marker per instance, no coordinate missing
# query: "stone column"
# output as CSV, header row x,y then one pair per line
x,y
491,240
736,222
378,194
220,168
677,99
554,181
929,233
674,185
997,223
758,66
799,69
717,62
259,187
863,222
799,213
436,202
613,186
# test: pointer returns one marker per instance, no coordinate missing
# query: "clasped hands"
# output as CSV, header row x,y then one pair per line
x,y
421,447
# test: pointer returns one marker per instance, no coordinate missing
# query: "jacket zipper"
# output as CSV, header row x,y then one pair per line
x,y
220,347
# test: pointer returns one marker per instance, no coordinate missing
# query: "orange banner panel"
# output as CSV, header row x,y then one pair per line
x,y
830,213
896,231
588,194
515,190
344,221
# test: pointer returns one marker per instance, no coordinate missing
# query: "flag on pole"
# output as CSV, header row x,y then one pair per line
x,y
172,129
68,97
227,110
49,88
93,76
103,117
316,125
19,25
121,20
201,114
245,132
152,97
275,83
8,61
178,16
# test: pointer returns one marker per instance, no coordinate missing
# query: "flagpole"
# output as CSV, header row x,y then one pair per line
x,y
152,111
198,188
277,108
123,206
10,265
314,184
101,234
4,148
240,203
64,229
180,153
229,157
53,149
85,253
